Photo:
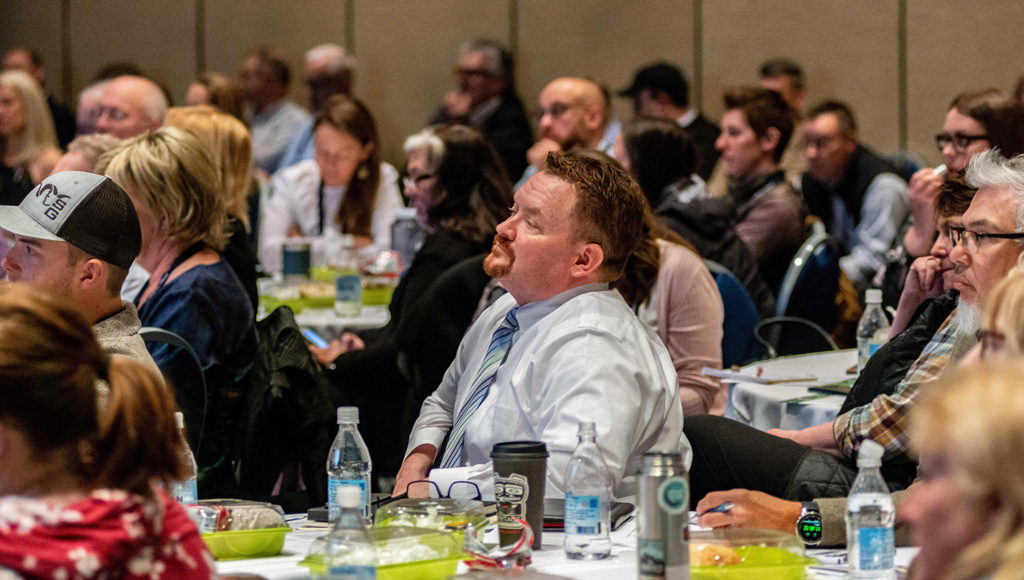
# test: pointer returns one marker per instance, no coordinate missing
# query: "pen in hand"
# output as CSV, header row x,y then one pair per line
x,y
721,508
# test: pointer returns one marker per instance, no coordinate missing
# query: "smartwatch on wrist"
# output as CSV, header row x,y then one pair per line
x,y
808,525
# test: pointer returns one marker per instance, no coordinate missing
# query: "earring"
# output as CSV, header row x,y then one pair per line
x,y
363,172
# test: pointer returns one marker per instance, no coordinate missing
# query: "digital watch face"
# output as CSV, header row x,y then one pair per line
x,y
808,527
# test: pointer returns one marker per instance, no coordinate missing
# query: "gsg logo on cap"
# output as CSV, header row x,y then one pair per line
x,y
53,200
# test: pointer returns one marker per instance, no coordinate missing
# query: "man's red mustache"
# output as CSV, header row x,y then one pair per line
x,y
503,243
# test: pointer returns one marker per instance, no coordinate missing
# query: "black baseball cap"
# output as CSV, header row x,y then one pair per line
x,y
86,210
659,77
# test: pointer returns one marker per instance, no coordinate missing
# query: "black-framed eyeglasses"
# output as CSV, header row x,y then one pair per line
x,y
556,110
474,72
991,341
959,140
456,490
971,240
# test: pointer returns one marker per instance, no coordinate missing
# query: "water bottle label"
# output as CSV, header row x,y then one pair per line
x,y
185,492
651,558
347,288
877,548
873,348
353,572
333,508
582,514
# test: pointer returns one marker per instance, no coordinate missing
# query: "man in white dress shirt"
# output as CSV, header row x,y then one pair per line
x,y
577,353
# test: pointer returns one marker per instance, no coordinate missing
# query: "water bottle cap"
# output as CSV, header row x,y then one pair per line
x,y
179,418
873,296
588,428
348,415
869,454
350,496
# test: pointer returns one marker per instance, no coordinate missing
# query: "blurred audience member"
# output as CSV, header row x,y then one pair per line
x,y
346,187
192,291
84,152
860,197
672,292
274,119
229,143
485,98
768,212
659,154
85,496
966,511
215,89
573,114
131,105
29,61
89,108
27,139
329,71
661,90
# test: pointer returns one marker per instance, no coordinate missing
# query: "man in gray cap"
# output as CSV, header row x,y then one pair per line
x,y
75,235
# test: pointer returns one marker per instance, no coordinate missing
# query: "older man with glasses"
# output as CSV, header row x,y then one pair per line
x,y
485,98
818,462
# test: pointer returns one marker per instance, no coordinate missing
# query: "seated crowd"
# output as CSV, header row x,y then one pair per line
x,y
589,291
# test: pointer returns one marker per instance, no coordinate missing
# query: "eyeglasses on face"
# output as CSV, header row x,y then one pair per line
x,y
971,240
414,182
474,72
556,110
960,141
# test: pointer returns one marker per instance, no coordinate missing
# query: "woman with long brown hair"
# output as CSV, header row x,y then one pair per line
x,y
346,186
84,498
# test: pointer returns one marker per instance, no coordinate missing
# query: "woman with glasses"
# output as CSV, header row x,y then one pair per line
x,y
458,185
976,121
346,186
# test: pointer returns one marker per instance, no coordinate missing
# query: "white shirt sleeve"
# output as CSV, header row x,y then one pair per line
x,y
293,194
884,208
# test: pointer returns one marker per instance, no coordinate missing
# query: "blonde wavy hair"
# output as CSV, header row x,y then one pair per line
x,y
230,143
40,135
1007,303
976,418
171,172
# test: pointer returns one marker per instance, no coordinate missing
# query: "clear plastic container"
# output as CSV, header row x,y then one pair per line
x,y
746,554
403,553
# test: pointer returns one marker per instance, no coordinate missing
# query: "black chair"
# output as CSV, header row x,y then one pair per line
x,y
154,334
739,345
808,293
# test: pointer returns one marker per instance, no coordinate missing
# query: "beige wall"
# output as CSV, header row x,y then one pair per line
x,y
406,49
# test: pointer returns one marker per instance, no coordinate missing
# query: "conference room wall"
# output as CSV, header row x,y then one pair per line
x,y
407,49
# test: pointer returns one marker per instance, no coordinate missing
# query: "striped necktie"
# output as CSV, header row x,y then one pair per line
x,y
496,353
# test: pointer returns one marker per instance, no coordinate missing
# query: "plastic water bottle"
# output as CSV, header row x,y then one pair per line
x,y
350,554
873,328
588,496
348,286
870,517
348,463
186,491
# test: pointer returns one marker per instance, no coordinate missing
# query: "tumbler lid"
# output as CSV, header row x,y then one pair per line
x,y
520,449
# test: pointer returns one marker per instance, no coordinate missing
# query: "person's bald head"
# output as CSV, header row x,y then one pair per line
x,y
572,112
130,106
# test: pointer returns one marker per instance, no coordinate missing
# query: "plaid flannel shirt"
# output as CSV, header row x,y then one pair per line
x,y
885,419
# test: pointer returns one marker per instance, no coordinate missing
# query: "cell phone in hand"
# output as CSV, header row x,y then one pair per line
x,y
314,338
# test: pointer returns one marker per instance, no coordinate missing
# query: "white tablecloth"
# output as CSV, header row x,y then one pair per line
x,y
551,559
329,325
790,405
